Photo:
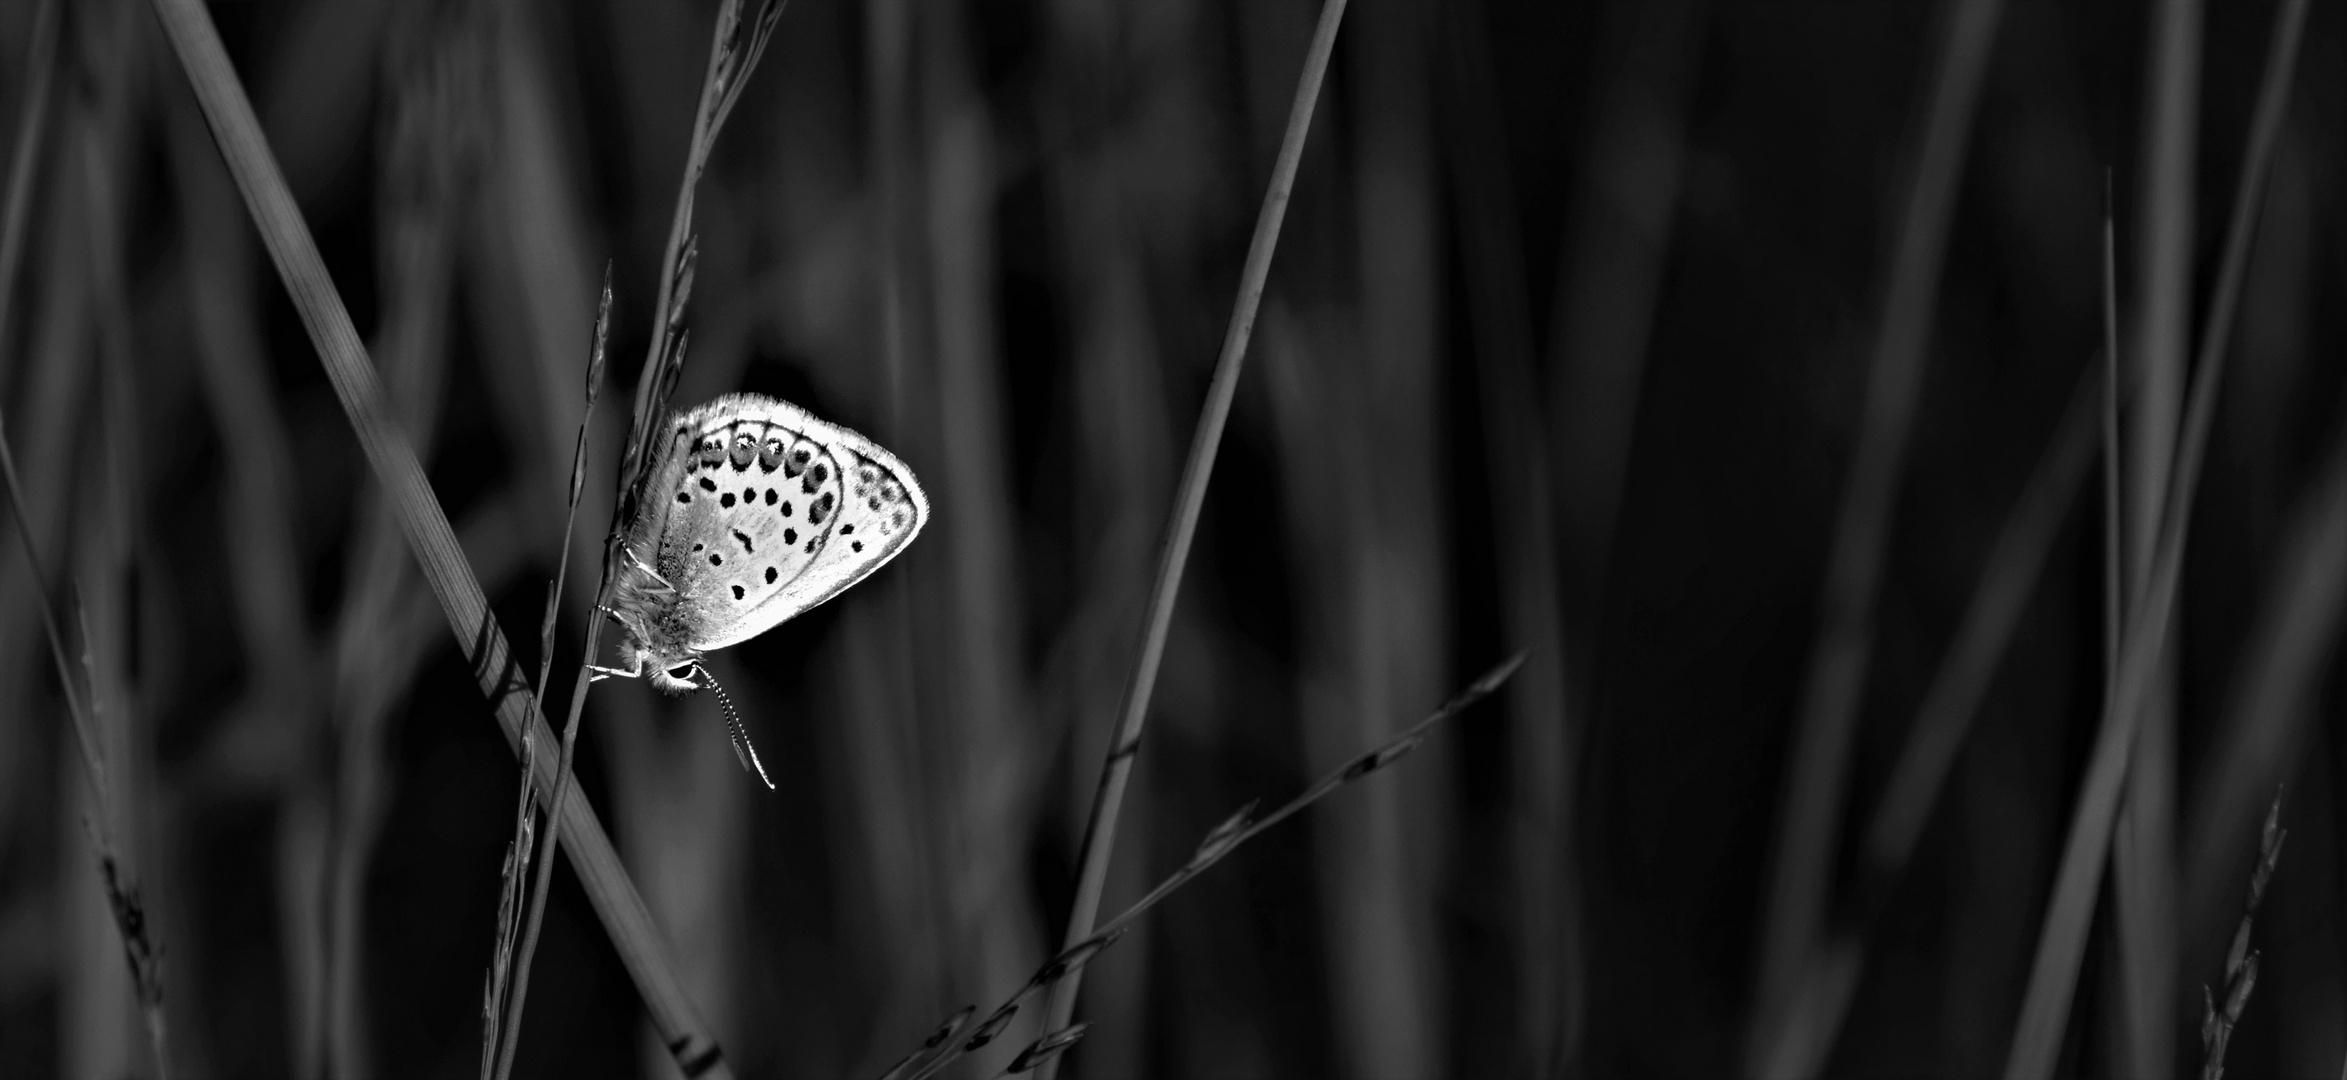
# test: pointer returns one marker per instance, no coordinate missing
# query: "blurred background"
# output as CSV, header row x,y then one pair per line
x,y
1718,353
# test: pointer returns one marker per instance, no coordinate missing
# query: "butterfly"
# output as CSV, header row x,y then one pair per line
x,y
752,512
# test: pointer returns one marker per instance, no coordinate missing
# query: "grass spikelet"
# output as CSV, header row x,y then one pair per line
x,y
2217,1023
1045,1050
731,59
517,852
1219,843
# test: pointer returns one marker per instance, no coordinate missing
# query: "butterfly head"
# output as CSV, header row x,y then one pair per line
x,y
671,675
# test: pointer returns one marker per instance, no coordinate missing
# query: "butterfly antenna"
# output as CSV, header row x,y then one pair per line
x,y
742,750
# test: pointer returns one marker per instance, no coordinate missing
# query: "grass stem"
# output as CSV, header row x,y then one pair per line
x,y
2053,977
237,132
1116,771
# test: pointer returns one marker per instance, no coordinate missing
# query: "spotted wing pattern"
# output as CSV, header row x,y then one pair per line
x,y
769,512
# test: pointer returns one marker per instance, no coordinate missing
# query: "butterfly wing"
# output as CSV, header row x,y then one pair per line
x,y
768,511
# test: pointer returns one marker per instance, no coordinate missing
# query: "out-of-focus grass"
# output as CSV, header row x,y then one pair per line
x,y
1637,247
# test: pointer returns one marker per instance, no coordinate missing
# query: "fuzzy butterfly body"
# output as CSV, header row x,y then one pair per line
x,y
754,511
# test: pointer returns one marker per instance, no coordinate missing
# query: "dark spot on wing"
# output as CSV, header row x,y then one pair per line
x,y
745,539
846,529
697,547
797,462
750,495
716,560
737,592
708,484
744,449
810,545
726,500
771,495
873,504
770,575
770,455
786,507
790,536
858,546
683,498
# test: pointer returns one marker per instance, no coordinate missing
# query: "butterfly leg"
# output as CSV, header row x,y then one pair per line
x,y
648,571
601,673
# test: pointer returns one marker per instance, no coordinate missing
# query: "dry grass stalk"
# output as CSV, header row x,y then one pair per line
x,y
732,57
734,50
496,998
1116,772
2217,1022
944,1046
2062,940
1815,777
197,44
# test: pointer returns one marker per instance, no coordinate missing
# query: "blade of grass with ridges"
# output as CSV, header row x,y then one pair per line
x,y
1832,694
2045,1006
237,132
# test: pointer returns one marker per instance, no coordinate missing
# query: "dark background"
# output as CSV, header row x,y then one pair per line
x,y
1567,347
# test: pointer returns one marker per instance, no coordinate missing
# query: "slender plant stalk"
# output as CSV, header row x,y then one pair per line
x,y
943,1047
2143,856
2062,940
1815,774
518,852
731,60
196,42
1116,771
